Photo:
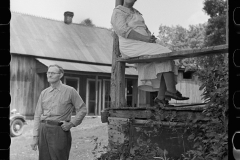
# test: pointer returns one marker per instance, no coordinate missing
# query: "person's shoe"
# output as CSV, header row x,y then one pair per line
x,y
161,103
176,96
166,101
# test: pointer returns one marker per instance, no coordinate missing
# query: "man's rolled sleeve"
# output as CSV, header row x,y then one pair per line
x,y
119,22
81,109
37,116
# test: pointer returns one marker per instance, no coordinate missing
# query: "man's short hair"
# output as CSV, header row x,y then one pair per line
x,y
59,67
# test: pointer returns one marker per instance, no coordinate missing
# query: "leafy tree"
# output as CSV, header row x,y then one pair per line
x,y
212,71
88,22
178,38
216,28
212,142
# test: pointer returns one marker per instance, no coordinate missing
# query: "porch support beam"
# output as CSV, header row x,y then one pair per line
x,y
118,73
96,94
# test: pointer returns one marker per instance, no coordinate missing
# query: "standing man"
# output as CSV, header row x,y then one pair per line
x,y
52,119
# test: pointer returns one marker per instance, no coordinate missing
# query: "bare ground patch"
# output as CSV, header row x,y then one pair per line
x,y
82,140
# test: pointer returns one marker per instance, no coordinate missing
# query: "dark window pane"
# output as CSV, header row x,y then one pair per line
x,y
72,82
187,75
107,97
92,93
129,86
91,108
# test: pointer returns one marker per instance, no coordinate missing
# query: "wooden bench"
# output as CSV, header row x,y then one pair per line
x,y
118,67
177,55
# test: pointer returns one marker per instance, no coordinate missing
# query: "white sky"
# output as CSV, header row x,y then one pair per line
x,y
155,12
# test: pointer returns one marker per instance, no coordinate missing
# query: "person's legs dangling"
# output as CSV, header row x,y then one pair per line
x,y
162,88
171,91
170,82
160,99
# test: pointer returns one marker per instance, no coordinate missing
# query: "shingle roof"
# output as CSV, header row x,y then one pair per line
x,y
31,35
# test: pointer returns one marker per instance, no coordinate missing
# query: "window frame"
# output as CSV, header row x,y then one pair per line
x,y
75,78
103,96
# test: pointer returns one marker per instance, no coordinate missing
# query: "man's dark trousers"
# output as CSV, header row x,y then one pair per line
x,y
54,142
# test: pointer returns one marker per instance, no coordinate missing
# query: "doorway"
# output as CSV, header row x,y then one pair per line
x,y
93,97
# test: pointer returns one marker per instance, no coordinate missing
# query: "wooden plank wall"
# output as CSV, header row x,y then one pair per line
x,y
117,73
25,84
189,88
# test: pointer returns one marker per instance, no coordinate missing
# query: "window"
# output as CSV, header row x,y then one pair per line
x,y
129,85
93,102
73,82
106,93
187,75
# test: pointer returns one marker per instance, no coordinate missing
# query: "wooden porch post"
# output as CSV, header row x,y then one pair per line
x,y
118,73
96,94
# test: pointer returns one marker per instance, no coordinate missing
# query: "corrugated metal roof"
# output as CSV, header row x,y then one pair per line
x,y
84,67
37,36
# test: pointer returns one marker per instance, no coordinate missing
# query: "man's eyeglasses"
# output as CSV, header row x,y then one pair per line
x,y
52,73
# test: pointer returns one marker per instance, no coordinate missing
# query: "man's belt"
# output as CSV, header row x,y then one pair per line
x,y
56,123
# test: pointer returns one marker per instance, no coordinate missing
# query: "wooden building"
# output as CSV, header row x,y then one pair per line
x,y
84,52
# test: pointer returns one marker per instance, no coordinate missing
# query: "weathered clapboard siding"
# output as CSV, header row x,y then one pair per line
x,y
25,84
142,98
189,89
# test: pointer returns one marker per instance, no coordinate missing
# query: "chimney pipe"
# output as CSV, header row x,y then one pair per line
x,y
68,17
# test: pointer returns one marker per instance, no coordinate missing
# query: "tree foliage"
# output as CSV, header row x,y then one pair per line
x,y
216,28
179,38
212,142
88,22
212,71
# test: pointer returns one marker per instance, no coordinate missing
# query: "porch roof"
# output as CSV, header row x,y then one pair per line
x,y
71,66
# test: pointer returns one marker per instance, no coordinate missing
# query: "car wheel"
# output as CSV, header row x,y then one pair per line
x,y
16,128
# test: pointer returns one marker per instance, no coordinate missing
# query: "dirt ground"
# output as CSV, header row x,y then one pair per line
x,y
82,140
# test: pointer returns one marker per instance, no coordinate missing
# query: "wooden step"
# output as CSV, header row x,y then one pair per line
x,y
177,55
193,106
182,111
186,107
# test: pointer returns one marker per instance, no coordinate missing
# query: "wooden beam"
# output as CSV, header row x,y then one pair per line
x,y
146,114
187,107
117,74
178,55
117,77
96,94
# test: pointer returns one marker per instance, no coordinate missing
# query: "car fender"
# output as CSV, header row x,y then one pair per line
x,y
13,117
